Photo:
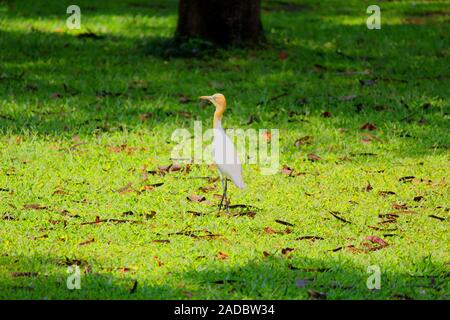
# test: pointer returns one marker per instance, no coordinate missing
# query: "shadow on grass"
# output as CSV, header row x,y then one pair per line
x,y
43,9
60,84
45,277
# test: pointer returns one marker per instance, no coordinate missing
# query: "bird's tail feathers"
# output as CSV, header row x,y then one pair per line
x,y
240,184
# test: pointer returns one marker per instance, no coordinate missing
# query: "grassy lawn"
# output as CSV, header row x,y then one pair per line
x,y
86,118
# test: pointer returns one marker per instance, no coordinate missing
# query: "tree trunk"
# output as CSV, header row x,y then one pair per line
x,y
222,22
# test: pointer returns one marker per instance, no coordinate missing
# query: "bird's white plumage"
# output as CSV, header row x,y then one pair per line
x,y
226,158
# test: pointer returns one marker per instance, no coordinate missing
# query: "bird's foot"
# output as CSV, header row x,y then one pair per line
x,y
226,207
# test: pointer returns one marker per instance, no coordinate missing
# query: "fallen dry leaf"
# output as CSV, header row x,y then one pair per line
x,y
368,126
64,222
196,198
164,168
414,21
303,141
391,219
284,223
207,189
353,249
406,212
158,261
35,206
184,99
55,95
187,294
336,215
269,230
286,251
173,167
8,217
282,55
150,215
222,255
378,240
313,157
399,206
151,186
389,215
312,238
86,242
185,114
250,214
287,170
316,295
161,241
145,116
125,189
374,243
368,138
59,192
24,274
319,68
117,149
196,213
407,179
386,193
98,221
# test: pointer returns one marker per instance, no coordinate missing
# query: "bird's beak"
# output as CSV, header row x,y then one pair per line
x,y
205,98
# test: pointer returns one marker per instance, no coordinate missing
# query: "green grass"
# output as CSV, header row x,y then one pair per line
x,y
72,133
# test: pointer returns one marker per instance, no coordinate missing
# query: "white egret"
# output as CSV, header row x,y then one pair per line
x,y
224,154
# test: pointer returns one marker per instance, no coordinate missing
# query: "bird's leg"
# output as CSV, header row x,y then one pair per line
x,y
223,194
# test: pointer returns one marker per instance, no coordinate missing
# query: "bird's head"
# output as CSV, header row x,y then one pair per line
x,y
218,100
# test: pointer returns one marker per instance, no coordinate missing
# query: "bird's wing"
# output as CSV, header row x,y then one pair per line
x,y
227,159
234,172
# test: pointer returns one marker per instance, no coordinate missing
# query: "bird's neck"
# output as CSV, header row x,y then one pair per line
x,y
217,124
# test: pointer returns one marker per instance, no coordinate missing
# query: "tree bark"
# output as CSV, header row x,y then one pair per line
x,y
222,22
